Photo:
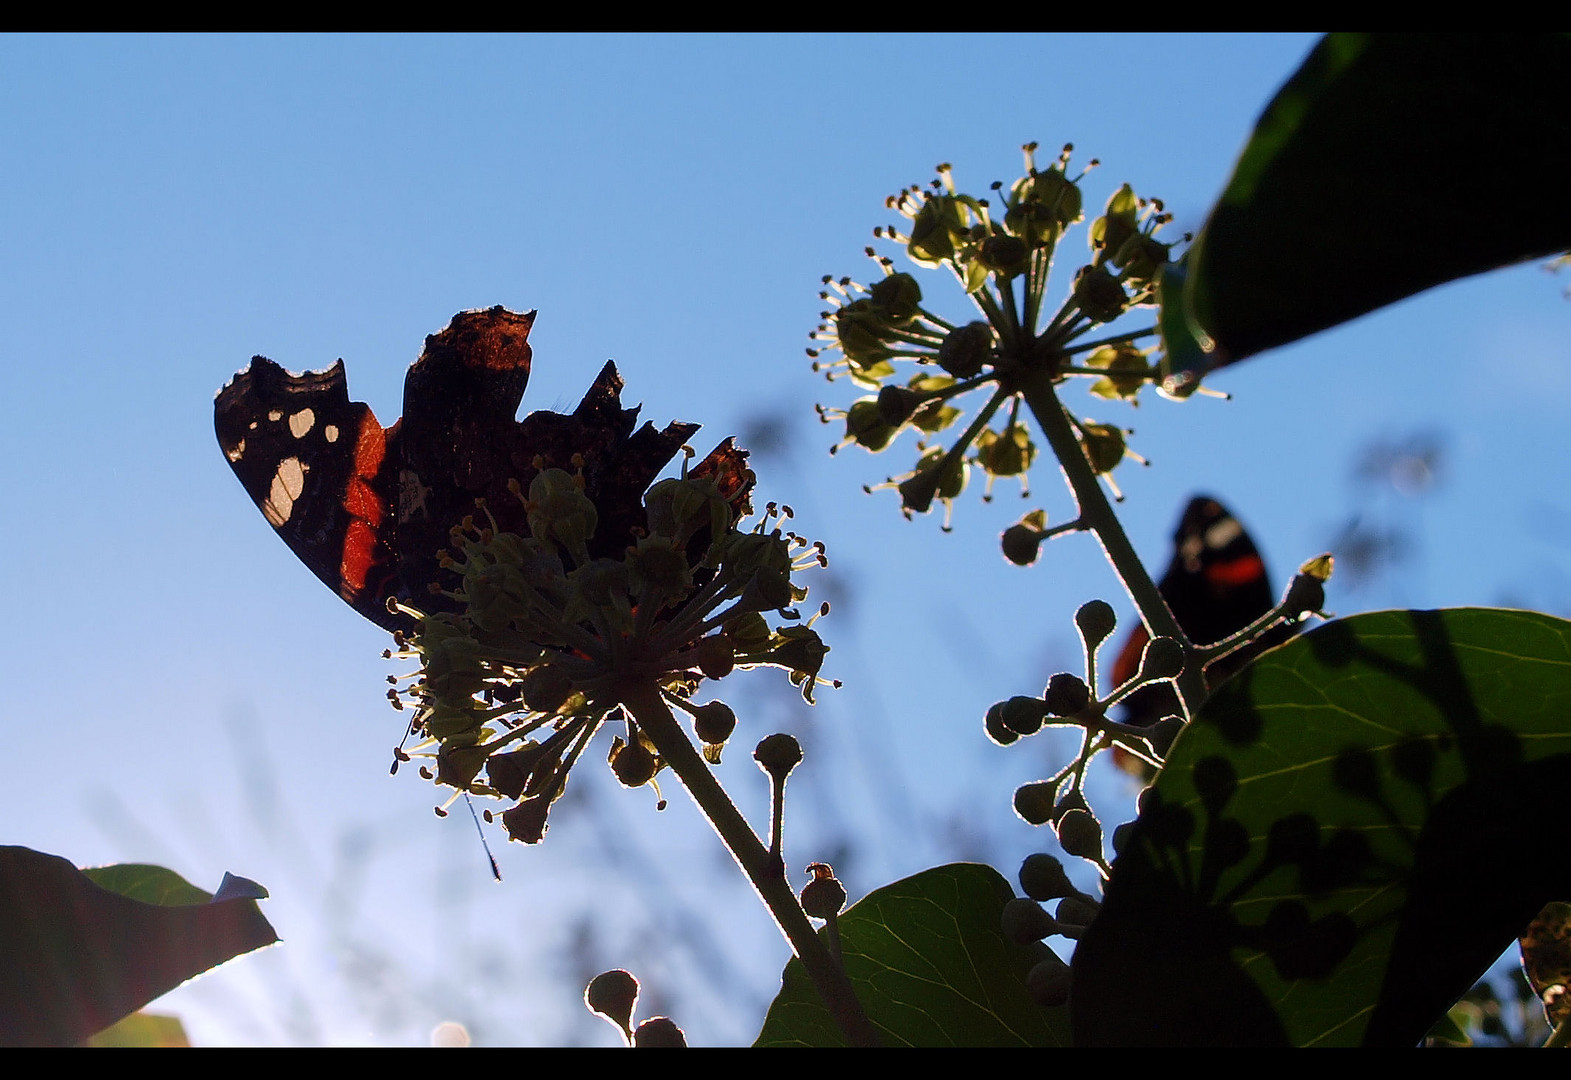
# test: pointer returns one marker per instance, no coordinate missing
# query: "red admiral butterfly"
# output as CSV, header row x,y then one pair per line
x,y
368,508
1215,585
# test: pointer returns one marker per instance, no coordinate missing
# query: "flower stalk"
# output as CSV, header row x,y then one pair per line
x,y
654,717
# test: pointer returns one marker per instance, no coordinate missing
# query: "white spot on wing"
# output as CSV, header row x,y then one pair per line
x,y
238,452
301,422
330,433
288,482
1223,533
275,415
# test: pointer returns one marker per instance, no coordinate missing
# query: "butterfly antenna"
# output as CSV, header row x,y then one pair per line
x,y
496,871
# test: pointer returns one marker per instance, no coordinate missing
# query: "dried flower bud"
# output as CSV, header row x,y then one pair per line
x,y
613,995
777,755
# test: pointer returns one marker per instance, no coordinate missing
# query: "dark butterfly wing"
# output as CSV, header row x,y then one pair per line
x,y
317,466
368,509
1215,585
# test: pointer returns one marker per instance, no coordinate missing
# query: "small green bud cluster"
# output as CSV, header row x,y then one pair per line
x,y
515,683
1043,880
1001,249
1070,700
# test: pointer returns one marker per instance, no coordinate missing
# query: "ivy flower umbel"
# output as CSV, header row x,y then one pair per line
x,y
1001,253
545,639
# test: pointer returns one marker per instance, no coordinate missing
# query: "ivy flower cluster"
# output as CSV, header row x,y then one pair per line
x,y
1002,255
514,684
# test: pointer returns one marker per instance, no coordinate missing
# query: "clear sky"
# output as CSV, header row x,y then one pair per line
x,y
185,692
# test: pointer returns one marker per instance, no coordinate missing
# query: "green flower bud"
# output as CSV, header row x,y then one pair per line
x,y
1077,911
1022,544
896,404
1022,541
1048,983
862,330
766,590
777,755
1024,715
995,727
966,349
1127,371
713,722
659,1032
1006,256
657,564
526,821
1306,593
866,426
678,507
1080,834
546,688
1053,191
749,633
1024,921
1163,659
560,512
802,653
898,297
457,766
715,656
1143,257
509,773
613,995
1098,294
929,481
1043,878
935,230
823,897
1067,695
1104,446
1096,621
633,763
1034,802
1008,454
446,721
1118,224
1162,734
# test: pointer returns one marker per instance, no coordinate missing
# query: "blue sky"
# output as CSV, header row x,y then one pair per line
x,y
185,692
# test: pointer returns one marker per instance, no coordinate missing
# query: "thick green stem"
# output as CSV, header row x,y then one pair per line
x,y
1096,514
642,698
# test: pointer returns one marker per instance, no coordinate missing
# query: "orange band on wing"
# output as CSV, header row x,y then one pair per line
x,y
365,509
1239,571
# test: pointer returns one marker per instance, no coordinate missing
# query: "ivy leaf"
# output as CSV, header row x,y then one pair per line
x,y
930,965
1350,832
1386,165
80,954
142,1029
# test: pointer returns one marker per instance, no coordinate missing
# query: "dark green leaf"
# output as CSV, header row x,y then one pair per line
x,y
1385,166
149,884
79,957
1351,831
931,968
